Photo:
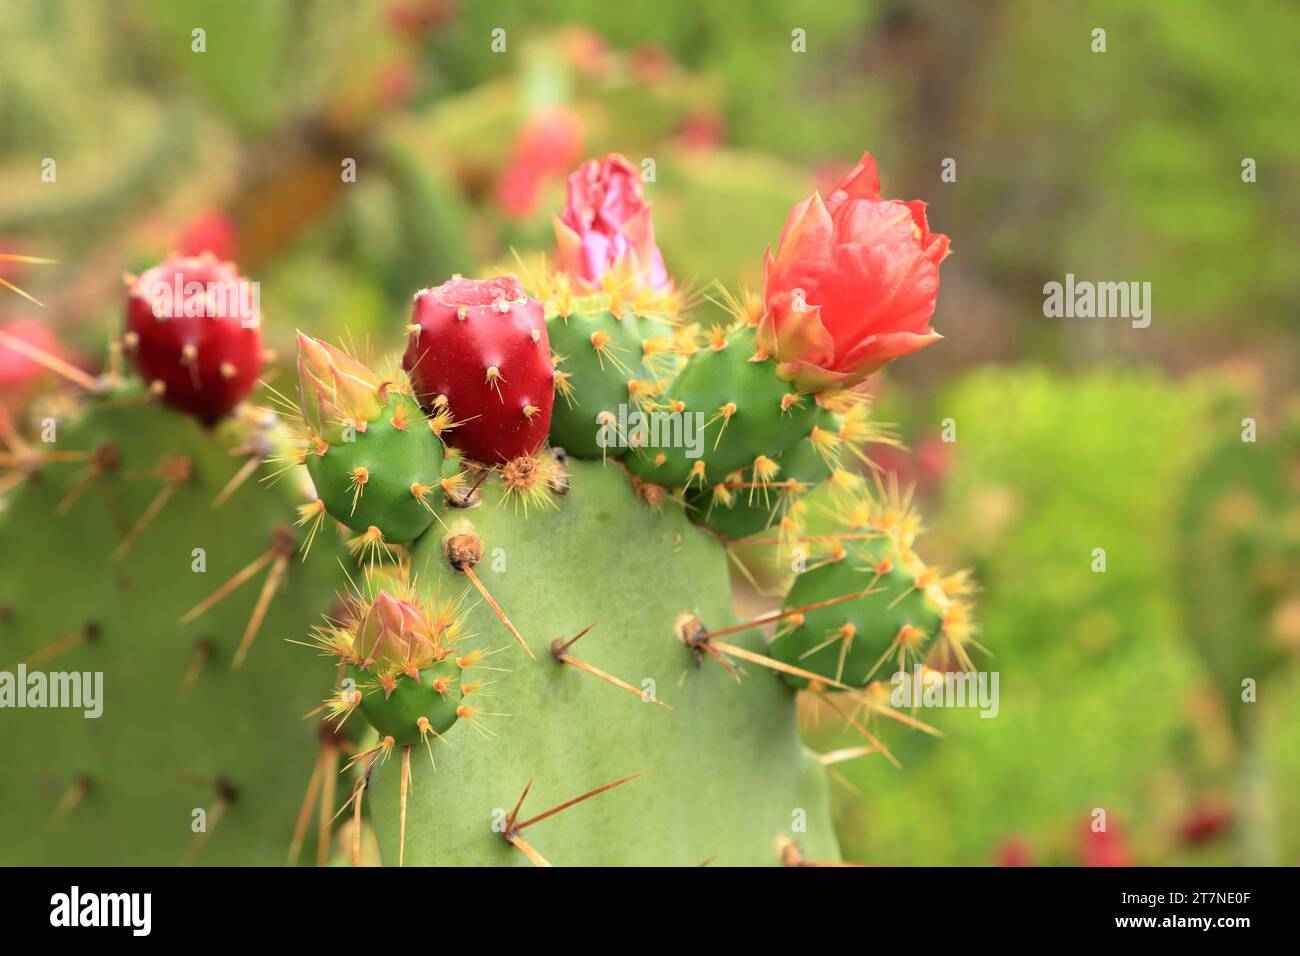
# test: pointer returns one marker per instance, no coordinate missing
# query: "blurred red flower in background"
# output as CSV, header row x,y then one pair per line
x,y
413,17
923,467
547,145
650,63
586,50
1205,822
705,129
852,284
1103,847
1014,851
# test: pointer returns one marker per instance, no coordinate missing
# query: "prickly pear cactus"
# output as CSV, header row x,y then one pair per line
x,y
558,649
152,704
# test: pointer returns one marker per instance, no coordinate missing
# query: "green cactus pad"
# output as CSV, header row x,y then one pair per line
x,y
121,789
725,773
394,459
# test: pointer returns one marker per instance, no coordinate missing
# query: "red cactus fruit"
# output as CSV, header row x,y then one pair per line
x,y
192,333
480,350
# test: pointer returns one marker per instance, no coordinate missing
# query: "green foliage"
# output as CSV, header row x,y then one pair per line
x,y
1099,688
1239,559
1142,191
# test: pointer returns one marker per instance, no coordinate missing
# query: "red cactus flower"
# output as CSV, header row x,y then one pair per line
x,y
547,144
606,225
852,284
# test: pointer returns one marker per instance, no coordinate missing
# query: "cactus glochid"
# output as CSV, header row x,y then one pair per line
x,y
561,633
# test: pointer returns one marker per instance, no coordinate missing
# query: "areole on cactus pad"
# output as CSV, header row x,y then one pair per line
x,y
375,459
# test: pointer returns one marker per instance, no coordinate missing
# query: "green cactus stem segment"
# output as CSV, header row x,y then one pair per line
x,y
746,502
724,771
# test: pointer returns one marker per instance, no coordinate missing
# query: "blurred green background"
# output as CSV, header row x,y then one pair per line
x,y
1120,690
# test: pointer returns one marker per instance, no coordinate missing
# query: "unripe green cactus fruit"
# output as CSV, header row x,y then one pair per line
x,y
429,697
375,459
401,645
383,477
743,503
747,412
603,362
851,641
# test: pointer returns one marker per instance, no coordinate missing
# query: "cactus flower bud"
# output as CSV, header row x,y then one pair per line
x,y
392,631
852,284
606,224
334,388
